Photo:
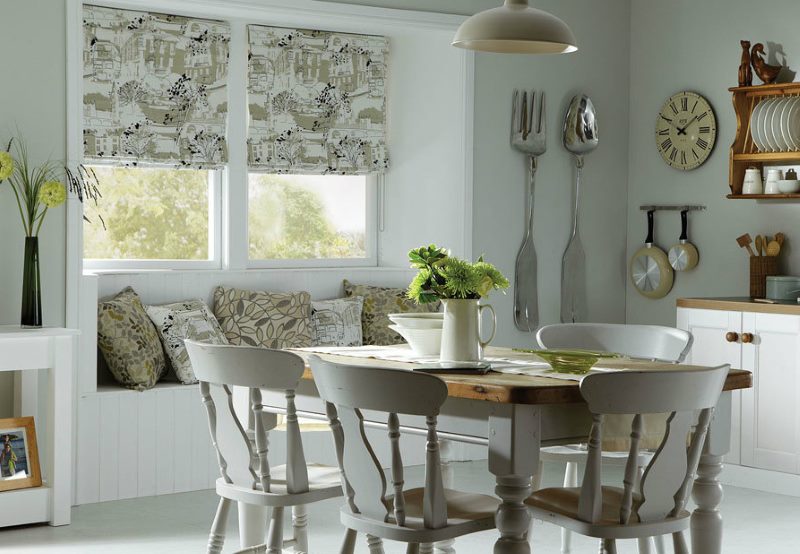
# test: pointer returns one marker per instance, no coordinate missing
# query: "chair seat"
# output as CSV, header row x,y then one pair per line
x,y
323,482
578,452
466,513
560,506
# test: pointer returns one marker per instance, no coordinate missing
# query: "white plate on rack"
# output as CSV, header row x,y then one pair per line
x,y
784,122
777,125
765,128
755,125
793,123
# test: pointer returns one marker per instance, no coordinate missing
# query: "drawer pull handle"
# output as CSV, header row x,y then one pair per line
x,y
747,338
730,336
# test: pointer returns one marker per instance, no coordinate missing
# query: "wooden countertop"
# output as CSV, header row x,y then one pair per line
x,y
504,388
739,304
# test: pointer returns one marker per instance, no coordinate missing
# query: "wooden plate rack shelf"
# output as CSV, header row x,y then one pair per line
x,y
744,152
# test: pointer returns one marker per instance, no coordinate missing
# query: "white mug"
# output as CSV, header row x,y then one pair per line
x,y
773,176
752,181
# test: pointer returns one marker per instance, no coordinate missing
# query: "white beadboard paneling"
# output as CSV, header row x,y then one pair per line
x,y
128,445
87,468
146,457
182,442
164,453
109,447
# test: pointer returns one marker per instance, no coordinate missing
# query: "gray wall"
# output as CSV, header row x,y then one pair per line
x,y
683,44
33,101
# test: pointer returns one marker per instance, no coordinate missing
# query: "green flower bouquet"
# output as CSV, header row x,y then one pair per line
x,y
443,277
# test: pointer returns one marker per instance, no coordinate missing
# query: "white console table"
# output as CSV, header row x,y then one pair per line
x,y
51,349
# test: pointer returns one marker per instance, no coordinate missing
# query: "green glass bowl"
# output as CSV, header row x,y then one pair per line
x,y
577,361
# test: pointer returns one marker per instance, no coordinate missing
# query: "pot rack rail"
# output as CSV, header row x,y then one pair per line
x,y
672,207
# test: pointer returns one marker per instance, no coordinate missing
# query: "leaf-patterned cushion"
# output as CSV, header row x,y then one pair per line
x,y
129,342
180,321
379,302
337,322
270,319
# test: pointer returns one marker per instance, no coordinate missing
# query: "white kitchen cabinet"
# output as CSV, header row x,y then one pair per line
x,y
766,418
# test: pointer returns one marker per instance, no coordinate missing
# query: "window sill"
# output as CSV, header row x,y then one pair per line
x,y
362,268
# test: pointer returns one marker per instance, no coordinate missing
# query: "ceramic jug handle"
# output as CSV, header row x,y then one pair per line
x,y
494,324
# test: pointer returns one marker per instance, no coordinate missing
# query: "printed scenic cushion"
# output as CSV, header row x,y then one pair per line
x,y
379,302
337,322
129,342
270,319
180,321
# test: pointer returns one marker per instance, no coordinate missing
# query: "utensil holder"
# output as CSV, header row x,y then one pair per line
x,y
761,267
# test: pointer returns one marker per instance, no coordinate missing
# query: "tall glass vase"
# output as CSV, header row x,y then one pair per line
x,y
31,285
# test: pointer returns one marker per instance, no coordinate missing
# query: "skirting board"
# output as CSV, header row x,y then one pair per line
x,y
763,480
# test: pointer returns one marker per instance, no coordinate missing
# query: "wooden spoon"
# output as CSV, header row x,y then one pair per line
x,y
745,241
759,245
780,237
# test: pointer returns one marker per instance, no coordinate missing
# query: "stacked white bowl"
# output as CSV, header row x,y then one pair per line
x,y
422,331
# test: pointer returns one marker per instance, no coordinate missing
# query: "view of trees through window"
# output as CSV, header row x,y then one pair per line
x,y
150,214
307,217
163,214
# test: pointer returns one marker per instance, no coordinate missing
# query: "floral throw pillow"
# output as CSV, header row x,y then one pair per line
x,y
180,321
270,319
379,302
337,322
129,342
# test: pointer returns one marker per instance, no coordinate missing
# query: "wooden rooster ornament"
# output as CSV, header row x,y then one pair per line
x,y
767,73
745,71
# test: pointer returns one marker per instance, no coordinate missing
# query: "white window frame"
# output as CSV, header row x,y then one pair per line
x,y
215,244
370,240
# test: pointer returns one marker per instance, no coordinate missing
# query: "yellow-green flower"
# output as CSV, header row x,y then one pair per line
x,y
53,194
6,165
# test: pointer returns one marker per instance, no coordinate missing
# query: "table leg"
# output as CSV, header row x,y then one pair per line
x,y
706,521
448,480
513,459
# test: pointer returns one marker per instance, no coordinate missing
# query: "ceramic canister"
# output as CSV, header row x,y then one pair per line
x,y
773,176
752,181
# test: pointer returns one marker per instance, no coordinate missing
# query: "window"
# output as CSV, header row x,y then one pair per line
x,y
310,218
153,218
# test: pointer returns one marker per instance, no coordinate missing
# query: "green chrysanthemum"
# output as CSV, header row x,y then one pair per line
x,y
490,278
6,165
419,289
461,279
53,194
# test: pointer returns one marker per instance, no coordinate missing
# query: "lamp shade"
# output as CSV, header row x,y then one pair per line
x,y
515,28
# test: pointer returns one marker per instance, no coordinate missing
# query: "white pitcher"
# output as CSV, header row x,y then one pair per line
x,y
461,337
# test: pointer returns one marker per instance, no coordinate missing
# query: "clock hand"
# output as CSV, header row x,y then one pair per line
x,y
682,130
668,120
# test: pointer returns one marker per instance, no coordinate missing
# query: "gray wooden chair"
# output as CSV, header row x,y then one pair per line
x,y
656,505
246,475
652,342
419,516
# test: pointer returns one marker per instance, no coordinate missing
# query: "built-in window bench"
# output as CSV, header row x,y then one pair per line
x,y
132,444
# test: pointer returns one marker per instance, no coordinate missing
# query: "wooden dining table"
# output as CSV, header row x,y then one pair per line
x,y
514,416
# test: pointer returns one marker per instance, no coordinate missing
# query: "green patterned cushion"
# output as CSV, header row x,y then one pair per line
x,y
379,302
129,342
270,319
180,321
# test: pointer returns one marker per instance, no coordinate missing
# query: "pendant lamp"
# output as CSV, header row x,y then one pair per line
x,y
515,28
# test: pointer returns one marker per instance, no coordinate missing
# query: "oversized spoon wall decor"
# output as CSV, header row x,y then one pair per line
x,y
580,138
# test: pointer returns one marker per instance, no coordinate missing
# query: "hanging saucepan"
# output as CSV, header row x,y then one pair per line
x,y
683,256
650,270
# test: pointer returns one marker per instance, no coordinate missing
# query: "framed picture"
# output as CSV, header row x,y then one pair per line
x,y
19,456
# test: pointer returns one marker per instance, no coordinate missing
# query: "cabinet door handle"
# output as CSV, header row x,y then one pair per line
x,y
747,338
730,336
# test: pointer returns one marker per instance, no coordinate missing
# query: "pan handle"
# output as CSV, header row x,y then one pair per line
x,y
684,225
650,222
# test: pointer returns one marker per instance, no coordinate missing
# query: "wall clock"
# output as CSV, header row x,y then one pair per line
x,y
686,130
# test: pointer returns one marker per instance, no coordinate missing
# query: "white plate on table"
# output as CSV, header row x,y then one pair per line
x,y
755,126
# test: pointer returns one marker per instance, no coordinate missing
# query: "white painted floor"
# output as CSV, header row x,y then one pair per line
x,y
755,523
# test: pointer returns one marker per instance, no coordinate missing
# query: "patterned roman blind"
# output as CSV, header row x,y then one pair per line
x,y
317,102
154,88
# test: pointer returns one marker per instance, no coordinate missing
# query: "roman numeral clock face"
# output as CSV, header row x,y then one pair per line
x,y
686,130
